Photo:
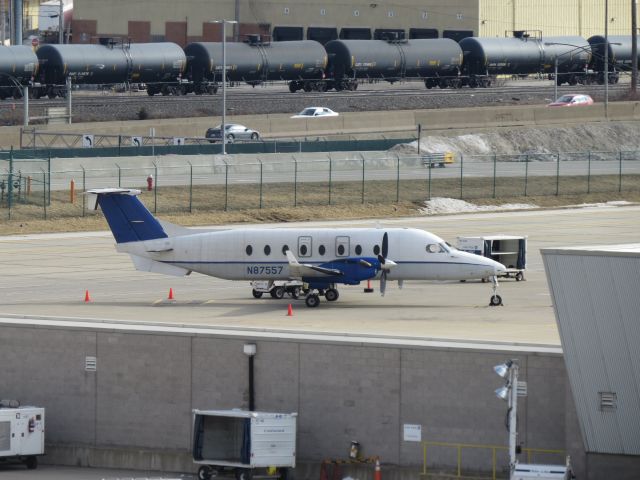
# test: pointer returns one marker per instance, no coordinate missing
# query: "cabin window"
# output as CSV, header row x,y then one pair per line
x,y
376,250
249,249
284,249
340,249
358,250
267,250
322,250
304,246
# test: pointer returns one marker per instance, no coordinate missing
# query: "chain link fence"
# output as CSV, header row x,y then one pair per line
x,y
31,189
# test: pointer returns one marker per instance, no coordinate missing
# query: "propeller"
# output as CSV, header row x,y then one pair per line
x,y
385,263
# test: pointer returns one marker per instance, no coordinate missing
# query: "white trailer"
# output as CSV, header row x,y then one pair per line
x,y
21,435
509,250
240,441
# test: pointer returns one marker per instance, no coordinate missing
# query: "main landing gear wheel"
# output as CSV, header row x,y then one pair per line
x,y
256,294
277,292
331,295
295,293
495,300
312,300
519,276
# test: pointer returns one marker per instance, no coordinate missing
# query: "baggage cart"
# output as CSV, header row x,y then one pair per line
x,y
509,250
239,442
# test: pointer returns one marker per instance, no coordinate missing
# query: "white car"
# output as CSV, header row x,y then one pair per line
x,y
312,112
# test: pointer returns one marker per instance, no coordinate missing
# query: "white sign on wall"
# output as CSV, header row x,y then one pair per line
x,y
412,433
178,140
136,141
87,141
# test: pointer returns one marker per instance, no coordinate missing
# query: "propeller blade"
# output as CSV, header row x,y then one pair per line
x,y
383,282
381,259
385,245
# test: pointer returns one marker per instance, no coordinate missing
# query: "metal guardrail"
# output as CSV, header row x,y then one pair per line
x,y
70,145
493,449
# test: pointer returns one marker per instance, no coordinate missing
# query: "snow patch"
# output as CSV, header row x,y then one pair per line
x,y
440,205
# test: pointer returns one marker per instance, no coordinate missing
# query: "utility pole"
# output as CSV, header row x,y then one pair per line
x,y
61,23
634,48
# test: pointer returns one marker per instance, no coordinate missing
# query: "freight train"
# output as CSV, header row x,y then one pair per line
x,y
167,69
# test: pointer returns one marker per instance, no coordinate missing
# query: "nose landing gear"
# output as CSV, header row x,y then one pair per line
x,y
495,300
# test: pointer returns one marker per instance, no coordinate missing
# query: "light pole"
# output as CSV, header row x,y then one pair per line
x,y
509,371
223,131
250,350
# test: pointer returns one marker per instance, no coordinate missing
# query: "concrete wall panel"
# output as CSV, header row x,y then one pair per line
x,y
144,390
40,368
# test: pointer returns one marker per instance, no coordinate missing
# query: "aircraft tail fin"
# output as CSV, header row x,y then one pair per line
x,y
128,218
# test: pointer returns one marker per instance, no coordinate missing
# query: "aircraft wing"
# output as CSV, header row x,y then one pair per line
x,y
307,270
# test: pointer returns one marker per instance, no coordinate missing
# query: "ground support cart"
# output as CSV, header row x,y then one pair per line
x,y
510,250
240,442
277,289
21,434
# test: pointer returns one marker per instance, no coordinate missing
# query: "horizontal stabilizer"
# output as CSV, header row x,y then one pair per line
x,y
148,265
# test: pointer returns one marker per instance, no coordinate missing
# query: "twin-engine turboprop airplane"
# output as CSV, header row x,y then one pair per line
x,y
320,258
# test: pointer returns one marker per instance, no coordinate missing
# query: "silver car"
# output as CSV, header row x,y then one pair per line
x,y
233,132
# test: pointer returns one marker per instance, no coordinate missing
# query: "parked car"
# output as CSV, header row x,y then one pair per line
x,y
572,100
233,132
311,112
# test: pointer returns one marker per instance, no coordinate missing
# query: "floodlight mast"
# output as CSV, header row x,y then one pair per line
x,y
509,371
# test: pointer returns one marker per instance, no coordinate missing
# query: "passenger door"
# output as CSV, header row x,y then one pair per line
x,y
342,246
304,246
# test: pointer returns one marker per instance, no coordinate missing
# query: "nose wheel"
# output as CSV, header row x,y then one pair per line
x,y
495,300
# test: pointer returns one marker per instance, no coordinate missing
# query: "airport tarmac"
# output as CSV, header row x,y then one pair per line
x,y
46,276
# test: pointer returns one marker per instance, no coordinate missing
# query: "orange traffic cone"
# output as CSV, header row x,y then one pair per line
x,y
170,297
368,289
377,475
87,297
289,311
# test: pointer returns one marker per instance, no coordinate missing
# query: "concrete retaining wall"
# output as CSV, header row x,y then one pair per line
x,y
280,125
135,410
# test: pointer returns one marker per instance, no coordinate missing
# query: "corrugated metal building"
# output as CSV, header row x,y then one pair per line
x,y
185,21
596,296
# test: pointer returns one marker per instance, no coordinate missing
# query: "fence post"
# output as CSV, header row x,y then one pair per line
x,y
260,201
119,176
362,178
190,187
557,174
295,182
84,189
398,180
495,160
44,193
526,175
429,192
155,188
226,185
10,185
119,143
620,176
330,162
49,182
461,174
589,173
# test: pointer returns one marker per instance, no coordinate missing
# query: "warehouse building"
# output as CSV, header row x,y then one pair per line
x,y
192,20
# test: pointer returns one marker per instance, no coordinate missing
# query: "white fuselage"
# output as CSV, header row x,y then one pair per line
x,y
258,254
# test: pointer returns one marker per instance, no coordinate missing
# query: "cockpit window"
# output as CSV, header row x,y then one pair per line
x,y
437,248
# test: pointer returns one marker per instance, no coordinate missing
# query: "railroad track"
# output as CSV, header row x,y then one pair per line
x,y
270,94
